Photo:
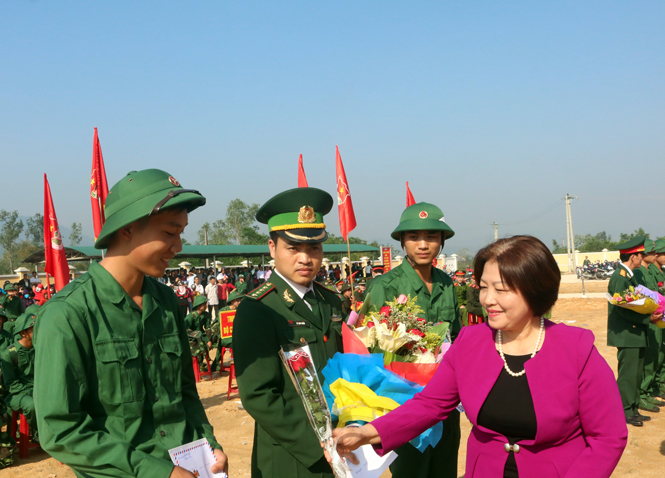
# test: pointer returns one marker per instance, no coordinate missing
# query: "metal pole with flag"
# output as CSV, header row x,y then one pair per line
x,y
99,188
410,201
54,250
347,218
302,179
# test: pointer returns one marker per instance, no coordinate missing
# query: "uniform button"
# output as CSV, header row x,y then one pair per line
x,y
325,338
634,326
162,433
149,360
302,340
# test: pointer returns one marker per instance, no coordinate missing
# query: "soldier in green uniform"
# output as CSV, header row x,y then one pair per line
x,y
197,323
233,302
359,293
473,306
18,372
345,297
659,387
422,232
241,285
648,276
627,330
13,306
5,337
290,309
114,383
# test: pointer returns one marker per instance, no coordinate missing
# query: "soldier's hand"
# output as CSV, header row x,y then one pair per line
x,y
656,317
462,307
209,345
179,472
222,464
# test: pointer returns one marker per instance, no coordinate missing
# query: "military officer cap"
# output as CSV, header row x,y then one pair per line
x,y
297,214
660,245
24,322
234,295
380,269
634,245
141,194
422,216
460,273
198,300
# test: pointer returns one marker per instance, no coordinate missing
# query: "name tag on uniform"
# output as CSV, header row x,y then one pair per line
x,y
336,318
298,323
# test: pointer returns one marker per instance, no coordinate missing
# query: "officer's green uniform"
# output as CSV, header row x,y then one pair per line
x,y
114,384
18,372
659,386
473,305
627,330
272,316
438,305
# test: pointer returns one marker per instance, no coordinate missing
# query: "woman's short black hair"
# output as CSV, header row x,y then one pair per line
x,y
526,265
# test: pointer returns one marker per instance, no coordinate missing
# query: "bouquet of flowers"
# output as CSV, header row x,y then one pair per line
x,y
639,300
398,332
300,367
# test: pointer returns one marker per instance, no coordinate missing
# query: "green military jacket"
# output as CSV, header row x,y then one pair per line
x,y
439,305
473,300
241,287
18,370
625,328
657,274
114,388
6,337
201,322
272,316
645,277
461,289
13,306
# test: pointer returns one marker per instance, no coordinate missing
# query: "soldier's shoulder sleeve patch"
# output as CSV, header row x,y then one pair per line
x,y
623,273
261,291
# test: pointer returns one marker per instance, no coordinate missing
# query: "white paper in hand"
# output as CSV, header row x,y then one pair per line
x,y
196,457
371,465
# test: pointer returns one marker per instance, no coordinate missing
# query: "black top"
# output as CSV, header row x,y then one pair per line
x,y
508,409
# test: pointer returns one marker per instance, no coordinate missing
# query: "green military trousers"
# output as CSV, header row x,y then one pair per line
x,y
437,462
652,356
25,403
631,365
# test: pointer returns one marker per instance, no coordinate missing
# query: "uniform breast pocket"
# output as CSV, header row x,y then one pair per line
x,y
119,371
171,361
302,336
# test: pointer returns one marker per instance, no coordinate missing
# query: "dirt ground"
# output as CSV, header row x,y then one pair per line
x,y
644,456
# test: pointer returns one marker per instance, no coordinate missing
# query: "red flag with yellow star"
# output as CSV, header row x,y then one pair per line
x,y
54,249
347,218
99,188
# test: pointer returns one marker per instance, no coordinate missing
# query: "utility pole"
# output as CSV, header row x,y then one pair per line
x,y
496,231
205,241
572,263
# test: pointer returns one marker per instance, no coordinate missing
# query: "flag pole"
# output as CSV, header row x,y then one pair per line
x,y
48,286
348,248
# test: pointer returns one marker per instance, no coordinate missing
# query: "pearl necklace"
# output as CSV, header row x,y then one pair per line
x,y
503,357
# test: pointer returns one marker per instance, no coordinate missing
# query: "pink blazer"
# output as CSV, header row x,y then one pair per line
x,y
581,426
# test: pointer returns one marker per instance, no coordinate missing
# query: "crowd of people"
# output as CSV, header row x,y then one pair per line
x,y
119,347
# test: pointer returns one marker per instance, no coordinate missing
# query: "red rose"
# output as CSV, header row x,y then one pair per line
x,y
422,334
423,349
370,324
421,320
660,284
414,331
385,310
300,363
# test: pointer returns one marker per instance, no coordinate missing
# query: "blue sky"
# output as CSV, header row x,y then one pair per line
x,y
492,110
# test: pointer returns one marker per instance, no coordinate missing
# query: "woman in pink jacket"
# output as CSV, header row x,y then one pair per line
x,y
542,401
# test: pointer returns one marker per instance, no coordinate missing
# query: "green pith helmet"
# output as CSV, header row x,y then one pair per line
x,y
660,245
140,194
297,214
636,244
234,295
24,322
198,300
649,247
345,287
33,309
422,216
10,287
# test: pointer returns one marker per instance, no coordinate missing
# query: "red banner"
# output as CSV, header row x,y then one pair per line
x,y
347,218
99,188
302,179
54,249
226,323
410,201
387,256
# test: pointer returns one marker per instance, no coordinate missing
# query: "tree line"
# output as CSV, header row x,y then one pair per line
x,y
599,241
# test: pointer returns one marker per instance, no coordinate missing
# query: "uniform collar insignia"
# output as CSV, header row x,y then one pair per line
x,y
287,297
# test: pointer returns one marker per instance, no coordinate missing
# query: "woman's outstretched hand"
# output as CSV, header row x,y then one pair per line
x,y
352,438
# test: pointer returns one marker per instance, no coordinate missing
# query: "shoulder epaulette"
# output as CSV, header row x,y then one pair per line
x,y
623,273
261,291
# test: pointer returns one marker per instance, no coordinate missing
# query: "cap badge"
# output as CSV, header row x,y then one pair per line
x,y
306,215
174,181
423,214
